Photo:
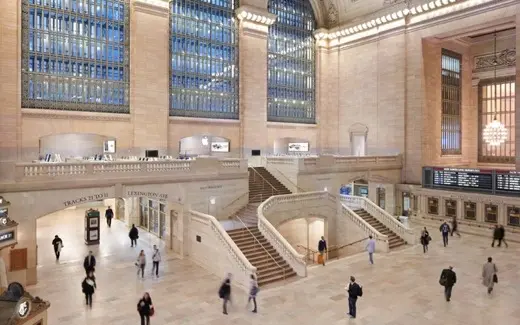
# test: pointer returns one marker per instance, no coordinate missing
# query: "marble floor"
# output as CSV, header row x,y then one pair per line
x,y
400,289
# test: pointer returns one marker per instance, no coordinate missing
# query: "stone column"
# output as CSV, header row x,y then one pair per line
x,y
149,66
517,97
253,33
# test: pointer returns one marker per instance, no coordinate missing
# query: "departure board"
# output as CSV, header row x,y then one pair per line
x,y
508,181
463,178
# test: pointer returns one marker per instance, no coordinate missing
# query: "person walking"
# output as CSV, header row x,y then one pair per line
x,y
371,248
496,236
109,214
322,247
425,239
89,263
134,235
253,290
141,263
445,230
501,236
156,258
145,308
57,243
88,287
448,280
224,293
354,291
455,227
489,274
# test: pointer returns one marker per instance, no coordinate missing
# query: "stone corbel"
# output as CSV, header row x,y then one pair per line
x,y
255,20
475,82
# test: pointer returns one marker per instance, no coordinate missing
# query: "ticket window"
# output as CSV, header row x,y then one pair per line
x,y
433,206
470,210
491,213
513,216
451,208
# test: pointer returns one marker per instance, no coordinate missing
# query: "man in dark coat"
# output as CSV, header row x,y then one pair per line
x,y
455,226
322,247
224,293
57,243
354,291
496,236
448,280
445,230
109,214
501,236
89,264
133,234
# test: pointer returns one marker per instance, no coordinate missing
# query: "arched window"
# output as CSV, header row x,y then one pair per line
x,y
75,55
203,59
291,63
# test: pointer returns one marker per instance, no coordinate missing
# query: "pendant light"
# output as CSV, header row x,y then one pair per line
x,y
495,133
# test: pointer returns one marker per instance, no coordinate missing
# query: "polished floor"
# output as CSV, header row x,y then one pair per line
x,y
400,289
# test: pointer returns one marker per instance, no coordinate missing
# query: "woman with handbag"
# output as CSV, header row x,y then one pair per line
x,y
425,239
253,292
145,309
141,263
489,275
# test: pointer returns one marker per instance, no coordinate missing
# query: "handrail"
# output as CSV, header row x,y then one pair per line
x,y
350,244
299,189
265,180
235,200
251,233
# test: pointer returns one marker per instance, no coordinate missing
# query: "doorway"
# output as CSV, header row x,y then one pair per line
x,y
381,197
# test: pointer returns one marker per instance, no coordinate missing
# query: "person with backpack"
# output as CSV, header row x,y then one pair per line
x,y
88,287
354,291
224,293
252,292
445,230
425,240
57,243
448,280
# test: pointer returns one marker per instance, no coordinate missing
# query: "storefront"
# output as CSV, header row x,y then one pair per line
x,y
152,216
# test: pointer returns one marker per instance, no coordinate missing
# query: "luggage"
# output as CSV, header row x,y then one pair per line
x,y
320,259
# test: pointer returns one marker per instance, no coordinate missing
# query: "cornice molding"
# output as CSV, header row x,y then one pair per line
x,y
255,15
153,7
68,115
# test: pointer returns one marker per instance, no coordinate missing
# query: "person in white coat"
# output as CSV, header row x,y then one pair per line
x,y
489,271
371,248
156,258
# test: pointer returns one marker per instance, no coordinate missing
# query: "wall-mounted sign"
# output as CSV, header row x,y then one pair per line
x,y
6,236
298,147
220,146
109,146
150,195
85,199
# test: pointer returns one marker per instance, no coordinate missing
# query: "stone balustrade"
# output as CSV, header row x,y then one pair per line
x,y
30,172
333,163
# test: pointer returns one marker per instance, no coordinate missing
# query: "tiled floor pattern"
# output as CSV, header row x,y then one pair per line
x,y
400,289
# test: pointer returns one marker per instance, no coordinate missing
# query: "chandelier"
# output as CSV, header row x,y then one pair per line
x,y
495,133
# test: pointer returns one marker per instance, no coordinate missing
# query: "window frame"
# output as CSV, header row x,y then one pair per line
x,y
453,145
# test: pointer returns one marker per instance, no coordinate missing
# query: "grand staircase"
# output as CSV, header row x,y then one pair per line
x,y
270,265
394,240
263,185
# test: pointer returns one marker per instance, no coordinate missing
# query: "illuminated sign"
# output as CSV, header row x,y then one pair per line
x,y
299,147
6,236
109,146
220,146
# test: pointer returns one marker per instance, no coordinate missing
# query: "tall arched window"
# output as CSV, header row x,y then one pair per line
x,y
75,55
291,62
204,59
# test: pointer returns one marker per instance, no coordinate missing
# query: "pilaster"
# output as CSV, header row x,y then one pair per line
x,y
149,86
253,34
517,98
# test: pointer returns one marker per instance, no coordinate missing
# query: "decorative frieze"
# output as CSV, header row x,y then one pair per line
x,y
255,15
505,58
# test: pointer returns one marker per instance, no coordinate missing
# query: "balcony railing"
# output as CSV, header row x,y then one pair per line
x,y
33,172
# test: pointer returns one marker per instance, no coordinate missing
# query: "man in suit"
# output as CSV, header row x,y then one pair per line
x,y
109,214
448,280
89,263
354,291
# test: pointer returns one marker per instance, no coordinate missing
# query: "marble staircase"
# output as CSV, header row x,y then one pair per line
x,y
263,185
394,241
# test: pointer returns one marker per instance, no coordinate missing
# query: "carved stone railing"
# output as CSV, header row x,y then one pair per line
x,y
381,215
27,172
365,227
290,165
229,258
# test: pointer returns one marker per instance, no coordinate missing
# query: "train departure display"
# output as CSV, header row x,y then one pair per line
x,y
463,178
508,181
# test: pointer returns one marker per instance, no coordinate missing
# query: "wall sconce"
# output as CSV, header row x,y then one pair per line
x,y
212,200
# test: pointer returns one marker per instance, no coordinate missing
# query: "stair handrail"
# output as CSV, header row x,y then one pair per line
x,y
299,189
387,219
251,233
265,180
235,200
364,224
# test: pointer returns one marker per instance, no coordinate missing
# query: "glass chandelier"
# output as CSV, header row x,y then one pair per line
x,y
495,133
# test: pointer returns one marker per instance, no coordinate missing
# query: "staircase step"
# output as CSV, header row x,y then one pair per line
x,y
275,278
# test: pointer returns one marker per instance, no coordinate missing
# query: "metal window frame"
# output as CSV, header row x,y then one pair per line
x,y
70,80
452,148
229,112
307,108
482,156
